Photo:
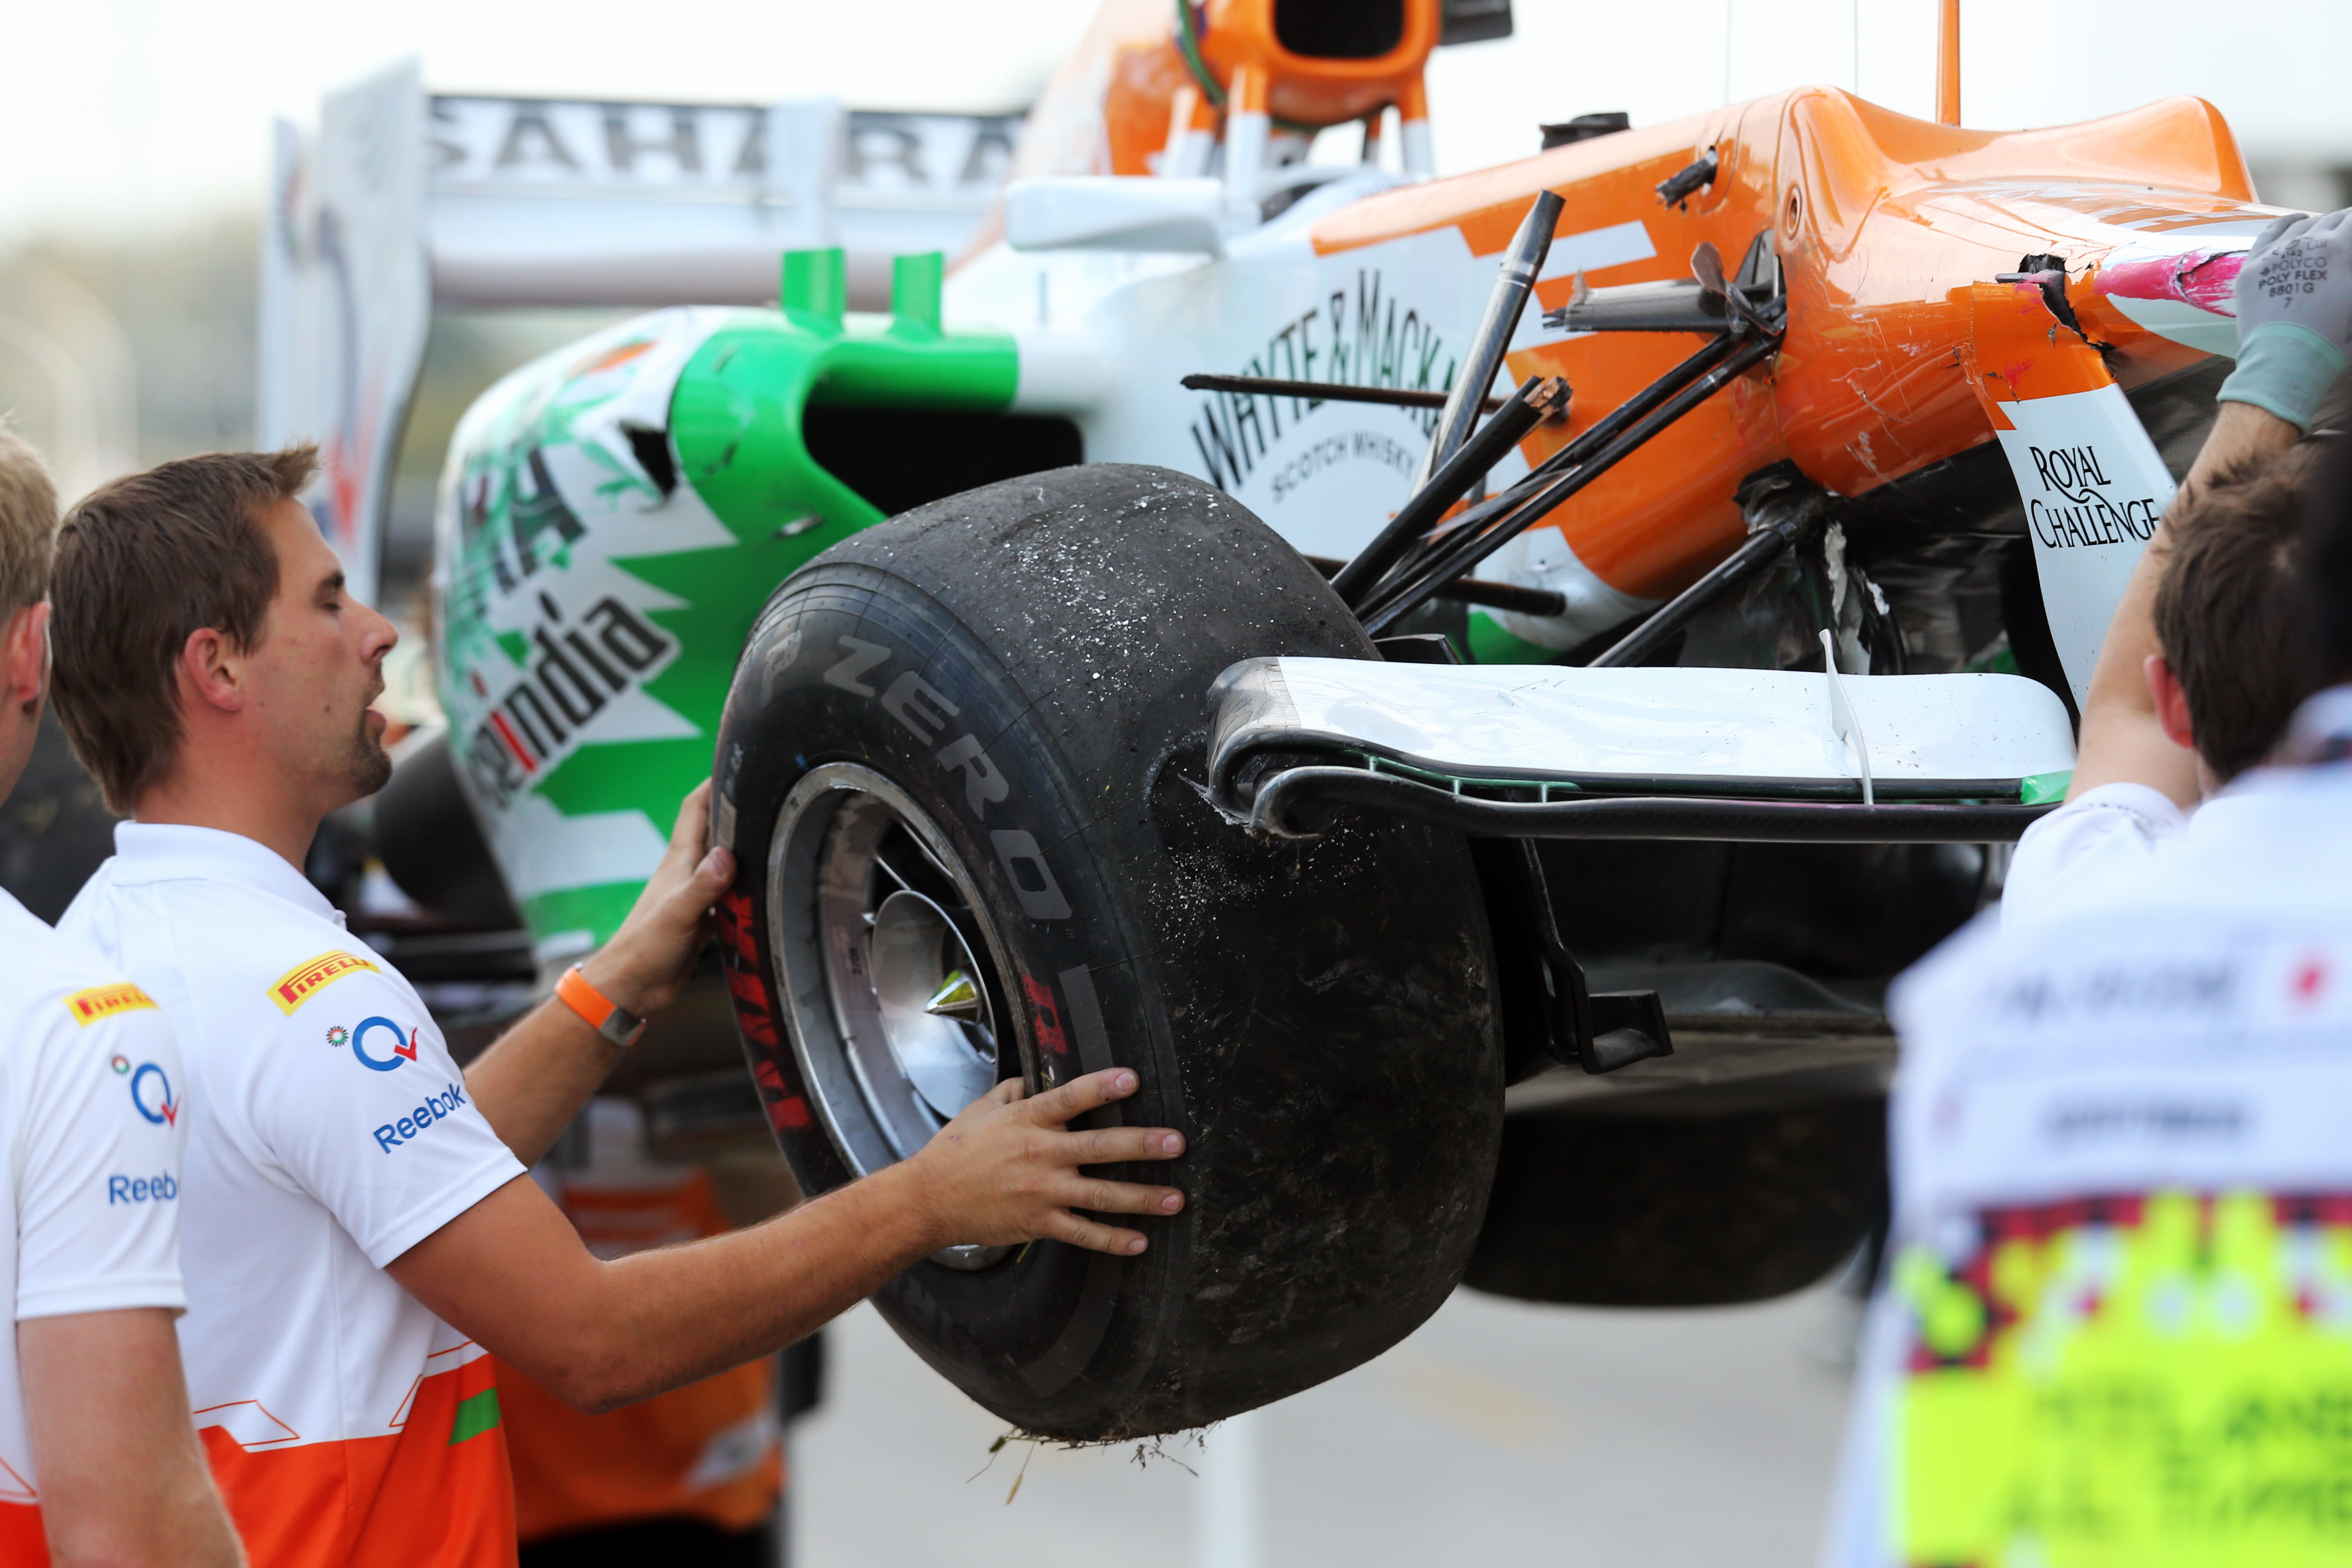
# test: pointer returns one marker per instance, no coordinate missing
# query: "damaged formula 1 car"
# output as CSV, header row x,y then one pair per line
x,y
1471,686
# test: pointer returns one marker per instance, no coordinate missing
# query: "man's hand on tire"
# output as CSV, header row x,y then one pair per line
x,y
651,957
1006,1170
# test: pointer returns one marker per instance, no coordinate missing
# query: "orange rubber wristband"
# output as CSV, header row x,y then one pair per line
x,y
598,1011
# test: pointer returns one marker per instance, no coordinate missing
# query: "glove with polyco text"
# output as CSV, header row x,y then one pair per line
x,y
2294,316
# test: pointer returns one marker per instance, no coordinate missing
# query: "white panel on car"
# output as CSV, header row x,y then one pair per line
x,y
1114,212
1551,721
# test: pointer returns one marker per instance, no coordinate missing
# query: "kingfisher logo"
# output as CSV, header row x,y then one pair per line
x,y
297,984
403,1047
150,1093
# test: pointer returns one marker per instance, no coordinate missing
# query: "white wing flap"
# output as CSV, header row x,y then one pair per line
x,y
1533,721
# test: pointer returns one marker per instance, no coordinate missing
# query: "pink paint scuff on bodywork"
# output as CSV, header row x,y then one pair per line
x,y
2205,278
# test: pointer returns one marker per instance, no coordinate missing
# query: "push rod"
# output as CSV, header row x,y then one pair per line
x,y
1603,431
1767,544
1325,391
1638,406
1513,284
1479,591
1453,562
1539,399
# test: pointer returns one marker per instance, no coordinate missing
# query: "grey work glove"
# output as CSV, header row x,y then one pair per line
x,y
2294,316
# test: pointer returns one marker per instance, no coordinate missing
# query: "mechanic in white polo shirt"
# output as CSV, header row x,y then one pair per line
x,y
359,1228
2117,1327
98,1461
2139,774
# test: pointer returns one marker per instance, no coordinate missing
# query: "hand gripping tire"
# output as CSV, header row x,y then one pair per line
x,y
959,768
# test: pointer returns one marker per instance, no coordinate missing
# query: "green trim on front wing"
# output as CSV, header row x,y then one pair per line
x,y
2042,789
1491,644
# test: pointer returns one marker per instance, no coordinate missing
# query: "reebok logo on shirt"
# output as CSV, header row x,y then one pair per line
x,y
392,1135
294,987
160,1188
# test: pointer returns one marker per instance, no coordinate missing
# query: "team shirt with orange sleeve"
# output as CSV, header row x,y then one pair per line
x,y
347,1425
90,1138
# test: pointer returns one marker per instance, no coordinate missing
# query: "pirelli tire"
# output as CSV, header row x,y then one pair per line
x,y
1647,1207
1000,699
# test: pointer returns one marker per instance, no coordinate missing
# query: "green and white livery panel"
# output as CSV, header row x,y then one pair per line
x,y
611,519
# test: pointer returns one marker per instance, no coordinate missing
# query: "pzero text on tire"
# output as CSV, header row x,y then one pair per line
x,y
958,769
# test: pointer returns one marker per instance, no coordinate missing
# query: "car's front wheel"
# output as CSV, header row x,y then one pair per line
x,y
959,768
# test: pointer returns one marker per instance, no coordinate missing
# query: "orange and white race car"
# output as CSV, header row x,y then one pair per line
x,y
1470,686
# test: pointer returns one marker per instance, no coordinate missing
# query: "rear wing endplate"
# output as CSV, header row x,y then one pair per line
x,y
406,202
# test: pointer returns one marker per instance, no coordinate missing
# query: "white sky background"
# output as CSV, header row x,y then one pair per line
x,y
124,115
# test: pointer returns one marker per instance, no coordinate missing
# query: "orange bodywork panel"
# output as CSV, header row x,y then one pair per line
x,y
1244,62
1888,230
701,1451
1238,36
1139,108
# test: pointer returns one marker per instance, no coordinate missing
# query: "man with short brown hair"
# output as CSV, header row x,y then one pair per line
x,y
359,1227
2204,668
144,535
98,1461
2229,611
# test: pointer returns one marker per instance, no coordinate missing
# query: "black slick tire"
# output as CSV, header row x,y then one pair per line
x,y
1028,665
1695,1210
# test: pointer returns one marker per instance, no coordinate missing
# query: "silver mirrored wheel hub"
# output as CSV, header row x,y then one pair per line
x,y
888,969
933,1013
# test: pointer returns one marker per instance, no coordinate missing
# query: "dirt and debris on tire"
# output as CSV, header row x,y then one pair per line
x,y
1317,1019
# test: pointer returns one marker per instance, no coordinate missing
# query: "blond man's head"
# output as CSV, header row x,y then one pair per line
x,y
29,548
29,525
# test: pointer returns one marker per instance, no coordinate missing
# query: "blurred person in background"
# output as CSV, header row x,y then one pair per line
x,y
2118,1320
98,1461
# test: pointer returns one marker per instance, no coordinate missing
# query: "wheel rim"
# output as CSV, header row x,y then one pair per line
x,y
890,969
934,1012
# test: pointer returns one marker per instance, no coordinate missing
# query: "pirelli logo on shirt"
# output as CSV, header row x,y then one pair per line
x,y
296,987
105,1001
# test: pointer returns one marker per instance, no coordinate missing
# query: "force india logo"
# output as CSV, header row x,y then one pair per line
x,y
574,672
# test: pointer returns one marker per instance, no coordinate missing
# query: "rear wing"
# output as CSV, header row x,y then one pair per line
x,y
406,202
